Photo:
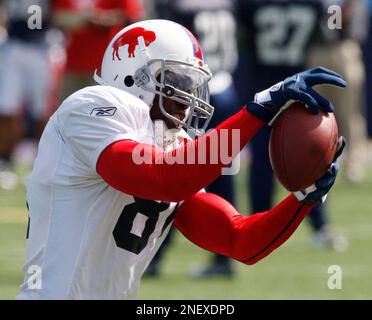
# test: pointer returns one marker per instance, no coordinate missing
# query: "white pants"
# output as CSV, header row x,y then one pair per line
x,y
24,77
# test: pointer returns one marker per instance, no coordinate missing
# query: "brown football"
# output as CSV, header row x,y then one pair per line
x,y
302,146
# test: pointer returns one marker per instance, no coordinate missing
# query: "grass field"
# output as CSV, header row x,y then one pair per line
x,y
295,271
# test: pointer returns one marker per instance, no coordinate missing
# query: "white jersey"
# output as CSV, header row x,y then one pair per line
x,y
89,240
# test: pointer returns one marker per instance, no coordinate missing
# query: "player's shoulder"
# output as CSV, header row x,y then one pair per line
x,y
100,107
99,94
103,101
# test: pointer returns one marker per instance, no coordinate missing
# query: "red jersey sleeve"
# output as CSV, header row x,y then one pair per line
x,y
161,177
213,223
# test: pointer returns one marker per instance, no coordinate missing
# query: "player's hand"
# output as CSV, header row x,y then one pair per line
x,y
317,193
268,104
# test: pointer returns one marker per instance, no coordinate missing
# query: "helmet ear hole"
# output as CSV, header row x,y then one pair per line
x,y
128,81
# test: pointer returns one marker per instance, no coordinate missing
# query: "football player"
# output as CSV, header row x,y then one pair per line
x,y
31,65
107,184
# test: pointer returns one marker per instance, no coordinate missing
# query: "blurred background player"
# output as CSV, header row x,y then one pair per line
x,y
31,63
340,49
89,26
213,23
274,39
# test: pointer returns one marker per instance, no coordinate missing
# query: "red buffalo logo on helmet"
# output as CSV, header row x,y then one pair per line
x,y
131,39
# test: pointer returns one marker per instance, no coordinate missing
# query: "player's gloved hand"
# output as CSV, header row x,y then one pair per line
x,y
317,193
268,104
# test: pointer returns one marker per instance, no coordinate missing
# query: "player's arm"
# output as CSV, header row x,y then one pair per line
x,y
148,172
168,180
66,17
214,224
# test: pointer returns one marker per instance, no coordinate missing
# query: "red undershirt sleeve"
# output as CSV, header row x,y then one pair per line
x,y
158,176
214,224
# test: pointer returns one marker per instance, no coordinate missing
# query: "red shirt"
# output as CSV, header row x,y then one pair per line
x,y
86,45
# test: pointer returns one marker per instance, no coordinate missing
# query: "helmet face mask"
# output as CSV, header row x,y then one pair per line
x,y
183,83
160,57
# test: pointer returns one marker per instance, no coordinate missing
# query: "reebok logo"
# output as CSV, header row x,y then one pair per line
x,y
103,112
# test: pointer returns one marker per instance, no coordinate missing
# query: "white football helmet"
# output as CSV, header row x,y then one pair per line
x,y
160,57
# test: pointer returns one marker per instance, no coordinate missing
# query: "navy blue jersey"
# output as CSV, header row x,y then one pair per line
x,y
214,25
277,33
20,15
274,36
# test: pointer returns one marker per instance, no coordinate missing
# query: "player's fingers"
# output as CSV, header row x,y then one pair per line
x,y
323,70
323,102
322,78
306,98
329,178
340,147
334,168
316,196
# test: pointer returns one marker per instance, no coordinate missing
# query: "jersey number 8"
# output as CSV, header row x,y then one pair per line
x,y
148,211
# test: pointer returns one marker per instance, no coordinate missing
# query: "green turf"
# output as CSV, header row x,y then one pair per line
x,y
13,219
294,271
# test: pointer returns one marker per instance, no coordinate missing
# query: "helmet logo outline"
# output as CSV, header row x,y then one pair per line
x,y
130,38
